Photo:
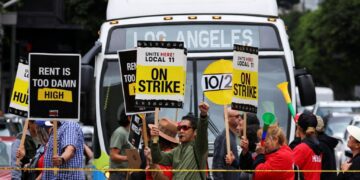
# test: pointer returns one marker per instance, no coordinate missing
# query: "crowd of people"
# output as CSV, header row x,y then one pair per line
x,y
309,156
183,147
37,151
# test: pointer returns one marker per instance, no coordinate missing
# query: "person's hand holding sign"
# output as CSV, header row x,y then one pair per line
x,y
154,131
229,158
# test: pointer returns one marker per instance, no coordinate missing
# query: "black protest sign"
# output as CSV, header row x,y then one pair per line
x,y
161,74
128,76
54,86
135,130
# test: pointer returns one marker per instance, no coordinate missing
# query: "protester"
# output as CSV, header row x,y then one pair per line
x,y
307,155
70,152
327,145
192,152
248,144
119,141
220,151
354,163
167,142
23,154
274,155
42,131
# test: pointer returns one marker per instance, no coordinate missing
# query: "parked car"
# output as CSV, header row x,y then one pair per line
x,y
325,108
335,126
5,155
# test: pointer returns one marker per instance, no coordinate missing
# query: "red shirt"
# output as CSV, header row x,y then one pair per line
x,y
282,159
306,159
169,174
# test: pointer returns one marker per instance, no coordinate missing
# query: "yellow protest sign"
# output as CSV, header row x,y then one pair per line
x,y
160,74
217,82
245,79
19,97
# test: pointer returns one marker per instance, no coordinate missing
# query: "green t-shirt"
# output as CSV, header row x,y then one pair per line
x,y
119,139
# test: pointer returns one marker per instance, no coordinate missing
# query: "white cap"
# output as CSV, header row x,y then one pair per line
x,y
354,131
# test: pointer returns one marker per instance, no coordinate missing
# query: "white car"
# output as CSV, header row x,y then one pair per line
x,y
324,108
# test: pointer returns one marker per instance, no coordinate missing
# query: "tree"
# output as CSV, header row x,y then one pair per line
x,y
88,13
327,42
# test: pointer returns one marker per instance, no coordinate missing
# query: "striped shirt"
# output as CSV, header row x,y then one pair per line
x,y
69,133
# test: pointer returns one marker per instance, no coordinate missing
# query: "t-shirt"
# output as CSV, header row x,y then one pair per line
x,y
119,140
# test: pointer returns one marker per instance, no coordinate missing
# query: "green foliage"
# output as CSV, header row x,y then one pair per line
x,y
327,42
88,13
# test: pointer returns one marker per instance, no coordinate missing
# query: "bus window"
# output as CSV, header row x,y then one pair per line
x,y
111,98
271,72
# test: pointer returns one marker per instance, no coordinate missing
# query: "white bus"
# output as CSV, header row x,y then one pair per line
x,y
209,28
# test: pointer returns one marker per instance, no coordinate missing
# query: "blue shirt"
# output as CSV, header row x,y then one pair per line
x,y
69,133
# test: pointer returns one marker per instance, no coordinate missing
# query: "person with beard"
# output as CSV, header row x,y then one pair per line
x,y
308,155
220,152
274,155
354,163
192,152
327,145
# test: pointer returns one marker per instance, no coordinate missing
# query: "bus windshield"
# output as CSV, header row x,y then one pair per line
x,y
198,37
272,70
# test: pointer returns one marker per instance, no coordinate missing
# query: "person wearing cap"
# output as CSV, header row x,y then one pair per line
x,y
273,155
167,142
307,155
327,145
42,131
193,148
220,159
24,154
354,163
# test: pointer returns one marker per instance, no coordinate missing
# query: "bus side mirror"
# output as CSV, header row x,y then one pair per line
x,y
87,113
87,76
306,87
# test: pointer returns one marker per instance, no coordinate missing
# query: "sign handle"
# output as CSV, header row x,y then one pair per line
x,y
176,114
145,137
155,139
55,146
245,125
23,136
227,130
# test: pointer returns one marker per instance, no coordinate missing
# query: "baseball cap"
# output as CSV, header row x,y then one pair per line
x,y
43,123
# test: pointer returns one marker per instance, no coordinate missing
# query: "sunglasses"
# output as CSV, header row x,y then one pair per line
x,y
183,127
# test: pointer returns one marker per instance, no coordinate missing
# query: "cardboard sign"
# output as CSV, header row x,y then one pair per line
x,y
216,82
127,63
134,160
135,131
19,104
160,74
245,79
54,86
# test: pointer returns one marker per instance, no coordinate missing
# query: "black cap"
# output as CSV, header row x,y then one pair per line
x,y
307,120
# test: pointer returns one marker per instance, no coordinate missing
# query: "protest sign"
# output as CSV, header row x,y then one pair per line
x,y
127,63
216,82
135,130
54,86
160,74
19,97
245,79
